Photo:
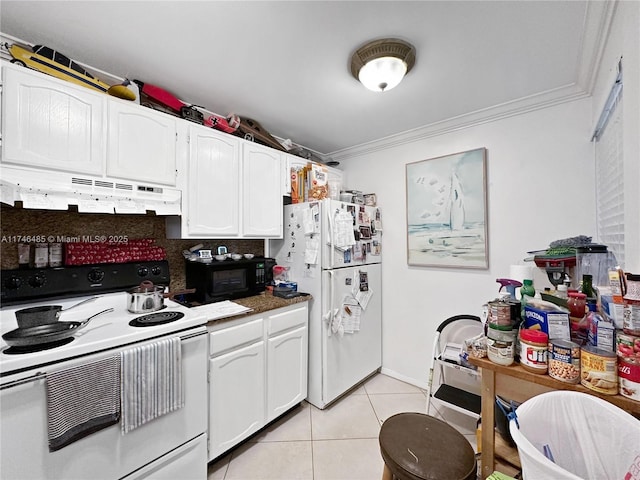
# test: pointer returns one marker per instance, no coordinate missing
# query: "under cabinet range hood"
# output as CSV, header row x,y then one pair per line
x,y
49,190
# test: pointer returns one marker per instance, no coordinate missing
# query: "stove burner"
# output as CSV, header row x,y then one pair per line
x,y
37,347
156,319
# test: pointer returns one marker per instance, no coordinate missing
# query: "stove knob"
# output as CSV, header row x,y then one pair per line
x,y
156,270
38,280
13,283
95,276
143,271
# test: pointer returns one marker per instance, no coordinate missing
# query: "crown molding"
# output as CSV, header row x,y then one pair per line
x,y
596,27
521,106
595,31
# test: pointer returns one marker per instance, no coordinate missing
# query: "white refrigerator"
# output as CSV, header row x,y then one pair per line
x,y
333,250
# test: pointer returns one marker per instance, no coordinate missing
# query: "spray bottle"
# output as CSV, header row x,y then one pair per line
x,y
510,285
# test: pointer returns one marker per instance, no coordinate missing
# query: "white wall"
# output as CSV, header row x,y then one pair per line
x,y
624,41
540,188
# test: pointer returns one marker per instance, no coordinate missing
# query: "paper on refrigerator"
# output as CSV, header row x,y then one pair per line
x,y
360,288
351,314
310,219
363,298
311,250
343,230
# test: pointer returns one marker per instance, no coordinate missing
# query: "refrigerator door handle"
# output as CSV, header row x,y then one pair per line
x,y
331,303
331,239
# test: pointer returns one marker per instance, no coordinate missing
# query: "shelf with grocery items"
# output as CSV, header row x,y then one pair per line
x,y
517,384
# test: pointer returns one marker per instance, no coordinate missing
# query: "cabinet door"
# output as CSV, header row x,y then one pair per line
x,y
213,183
286,371
236,398
141,144
261,191
49,123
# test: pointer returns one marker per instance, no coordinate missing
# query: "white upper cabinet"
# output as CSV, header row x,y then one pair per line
x,y
231,188
213,183
49,123
142,144
52,124
261,191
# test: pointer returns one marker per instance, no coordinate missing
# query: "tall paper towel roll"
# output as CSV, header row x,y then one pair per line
x,y
520,272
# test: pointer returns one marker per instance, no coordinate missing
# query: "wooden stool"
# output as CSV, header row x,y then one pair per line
x,y
415,446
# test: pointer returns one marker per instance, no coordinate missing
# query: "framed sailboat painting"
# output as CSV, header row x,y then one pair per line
x,y
447,211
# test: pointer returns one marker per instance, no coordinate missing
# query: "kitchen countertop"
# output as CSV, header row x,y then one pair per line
x,y
260,304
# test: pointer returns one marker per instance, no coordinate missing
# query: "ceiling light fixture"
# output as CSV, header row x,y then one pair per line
x,y
381,64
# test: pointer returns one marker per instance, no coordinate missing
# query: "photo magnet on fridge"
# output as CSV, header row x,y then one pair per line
x,y
364,281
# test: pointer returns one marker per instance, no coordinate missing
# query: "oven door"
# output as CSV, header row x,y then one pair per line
x,y
106,454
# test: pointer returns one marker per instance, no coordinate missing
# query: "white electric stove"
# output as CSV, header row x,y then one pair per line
x,y
171,446
109,330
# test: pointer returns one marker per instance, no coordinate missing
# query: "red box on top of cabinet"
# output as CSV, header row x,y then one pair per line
x,y
87,253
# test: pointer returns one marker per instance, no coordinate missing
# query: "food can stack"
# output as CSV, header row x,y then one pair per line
x,y
501,332
590,349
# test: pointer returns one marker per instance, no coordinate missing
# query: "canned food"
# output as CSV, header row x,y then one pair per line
x,y
598,370
629,373
564,361
55,254
631,320
500,314
628,346
500,334
41,255
631,317
500,352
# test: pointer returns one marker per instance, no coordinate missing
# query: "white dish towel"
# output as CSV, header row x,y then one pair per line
x,y
151,382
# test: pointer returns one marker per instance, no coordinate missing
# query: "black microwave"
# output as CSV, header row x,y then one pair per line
x,y
228,279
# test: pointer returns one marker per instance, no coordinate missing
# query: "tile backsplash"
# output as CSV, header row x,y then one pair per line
x,y
18,222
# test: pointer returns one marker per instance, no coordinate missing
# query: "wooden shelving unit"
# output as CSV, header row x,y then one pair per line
x,y
517,384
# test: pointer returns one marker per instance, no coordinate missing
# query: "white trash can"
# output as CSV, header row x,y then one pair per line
x,y
588,438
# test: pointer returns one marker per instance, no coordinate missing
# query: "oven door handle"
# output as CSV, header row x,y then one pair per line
x,y
190,335
41,375
22,381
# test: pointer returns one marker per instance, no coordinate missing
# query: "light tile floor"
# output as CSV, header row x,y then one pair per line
x,y
337,443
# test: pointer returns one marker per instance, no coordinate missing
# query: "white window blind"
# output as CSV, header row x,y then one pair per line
x,y
610,173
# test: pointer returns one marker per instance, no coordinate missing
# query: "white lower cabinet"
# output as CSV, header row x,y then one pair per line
x,y
287,360
236,402
257,371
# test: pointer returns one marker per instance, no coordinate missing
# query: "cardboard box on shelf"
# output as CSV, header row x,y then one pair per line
x,y
547,317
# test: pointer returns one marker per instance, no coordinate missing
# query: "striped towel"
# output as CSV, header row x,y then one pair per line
x,y
82,400
151,382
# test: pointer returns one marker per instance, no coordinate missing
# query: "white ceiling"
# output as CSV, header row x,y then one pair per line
x,y
286,63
